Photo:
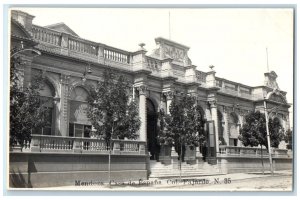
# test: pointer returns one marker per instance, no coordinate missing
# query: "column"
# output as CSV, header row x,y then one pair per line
x,y
226,130
63,106
169,96
214,117
143,112
240,124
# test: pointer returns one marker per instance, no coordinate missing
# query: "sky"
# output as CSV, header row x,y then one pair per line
x,y
233,40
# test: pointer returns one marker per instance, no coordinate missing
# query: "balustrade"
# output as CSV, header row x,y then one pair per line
x,y
55,142
46,35
82,46
250,152
46,143
116,56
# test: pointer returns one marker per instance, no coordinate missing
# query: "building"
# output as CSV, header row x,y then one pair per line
x,y
57,156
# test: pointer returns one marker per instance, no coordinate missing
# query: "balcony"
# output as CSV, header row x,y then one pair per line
x,y
58,144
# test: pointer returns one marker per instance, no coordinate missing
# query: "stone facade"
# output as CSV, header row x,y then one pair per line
x,y
155,78
166,71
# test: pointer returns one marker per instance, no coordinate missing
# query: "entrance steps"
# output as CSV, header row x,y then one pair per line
x,y
160,170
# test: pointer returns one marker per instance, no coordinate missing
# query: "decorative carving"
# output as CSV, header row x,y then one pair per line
x,y
169,95
277,98
212,103
174,53
142,89
64,79
270,80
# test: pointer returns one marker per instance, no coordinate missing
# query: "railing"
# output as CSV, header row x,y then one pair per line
x,y
54,142
236,93
46,143
46,35
233,151
77,47
115,55
82,46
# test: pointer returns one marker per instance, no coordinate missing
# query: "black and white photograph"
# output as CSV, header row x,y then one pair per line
x,y
151,98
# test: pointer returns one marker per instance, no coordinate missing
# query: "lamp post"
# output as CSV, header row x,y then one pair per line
x,y
22,50
268,136
268,132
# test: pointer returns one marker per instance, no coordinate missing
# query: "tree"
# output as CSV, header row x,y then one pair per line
x,y
184,126
110,110
254,133
27,110
288,138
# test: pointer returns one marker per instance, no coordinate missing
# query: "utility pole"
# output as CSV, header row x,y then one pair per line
x,y
267,60
169,25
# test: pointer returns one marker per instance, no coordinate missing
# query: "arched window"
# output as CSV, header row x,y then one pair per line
x,y
79,125
46,95
233,129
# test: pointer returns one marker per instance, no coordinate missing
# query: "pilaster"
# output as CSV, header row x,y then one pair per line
x,y
226,128
214,116
169,97
143,112
63,105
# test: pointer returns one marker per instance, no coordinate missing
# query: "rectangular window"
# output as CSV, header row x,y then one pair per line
x,y
79,130
233,142
47,128
87,131
71,130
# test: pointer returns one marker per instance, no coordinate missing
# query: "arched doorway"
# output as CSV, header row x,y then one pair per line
x,y
152,143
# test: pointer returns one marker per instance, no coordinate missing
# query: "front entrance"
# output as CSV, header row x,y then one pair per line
x,y
152,143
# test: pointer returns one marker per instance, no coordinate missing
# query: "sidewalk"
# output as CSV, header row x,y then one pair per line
x,y
185,184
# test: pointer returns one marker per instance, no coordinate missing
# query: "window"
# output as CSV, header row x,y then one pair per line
x,y
79,125
46,96
233,142
79,130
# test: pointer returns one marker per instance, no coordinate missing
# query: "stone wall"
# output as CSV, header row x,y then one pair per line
x,y
60,169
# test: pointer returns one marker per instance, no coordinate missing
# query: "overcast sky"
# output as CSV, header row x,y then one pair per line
x,y
233,40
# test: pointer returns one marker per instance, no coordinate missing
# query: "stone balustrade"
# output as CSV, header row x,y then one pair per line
x,y
46,35
56,42
232,151
74,44
235,89
116,55
47,143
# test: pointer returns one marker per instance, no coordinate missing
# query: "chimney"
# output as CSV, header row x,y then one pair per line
x,y
23,18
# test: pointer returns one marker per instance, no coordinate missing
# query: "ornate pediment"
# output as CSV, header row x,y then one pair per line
x,y
170,49
270,80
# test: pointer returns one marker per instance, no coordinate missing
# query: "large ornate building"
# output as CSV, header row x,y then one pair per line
x,y
69,63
